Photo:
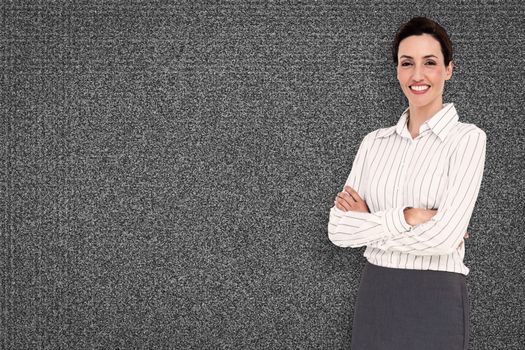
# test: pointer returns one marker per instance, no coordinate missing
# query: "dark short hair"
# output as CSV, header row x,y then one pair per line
x,y
422,25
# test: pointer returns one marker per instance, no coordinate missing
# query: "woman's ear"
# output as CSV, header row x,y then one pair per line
x,y
449,69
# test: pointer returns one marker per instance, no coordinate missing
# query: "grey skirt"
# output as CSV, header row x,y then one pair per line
x,y
410,309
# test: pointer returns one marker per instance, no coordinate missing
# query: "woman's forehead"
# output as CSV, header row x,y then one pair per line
x,y
419,46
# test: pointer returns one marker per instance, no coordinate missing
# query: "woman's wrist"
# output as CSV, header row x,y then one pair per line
x,y
407,212
417,216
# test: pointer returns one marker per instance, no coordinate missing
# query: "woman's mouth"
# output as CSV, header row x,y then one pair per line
x,y
419,89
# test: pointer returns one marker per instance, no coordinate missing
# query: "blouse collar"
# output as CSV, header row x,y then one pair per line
x,y
440,123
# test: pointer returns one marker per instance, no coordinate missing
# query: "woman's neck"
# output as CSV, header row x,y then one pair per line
x,y
418,115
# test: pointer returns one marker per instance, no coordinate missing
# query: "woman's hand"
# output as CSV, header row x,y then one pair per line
x,y
349,199
416,216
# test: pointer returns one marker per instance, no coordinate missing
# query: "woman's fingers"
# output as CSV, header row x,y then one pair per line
x,y
343,202
349,199
358,203
353,194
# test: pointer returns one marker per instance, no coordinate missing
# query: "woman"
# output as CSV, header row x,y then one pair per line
x,y
408,199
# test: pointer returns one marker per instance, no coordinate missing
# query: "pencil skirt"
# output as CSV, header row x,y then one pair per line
x,y
406,309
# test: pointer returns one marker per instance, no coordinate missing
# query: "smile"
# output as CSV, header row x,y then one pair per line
x,y
421,89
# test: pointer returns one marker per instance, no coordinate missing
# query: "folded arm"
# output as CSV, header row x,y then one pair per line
x,y
389,230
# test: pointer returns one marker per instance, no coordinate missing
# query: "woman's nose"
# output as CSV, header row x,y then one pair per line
x,y
418,73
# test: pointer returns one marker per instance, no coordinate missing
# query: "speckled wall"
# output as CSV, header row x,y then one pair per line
x,y
167,168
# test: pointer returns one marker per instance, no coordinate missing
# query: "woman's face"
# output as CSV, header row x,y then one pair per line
x,y
421,63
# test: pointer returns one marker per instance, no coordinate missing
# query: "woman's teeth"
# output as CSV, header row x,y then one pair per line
x,y
419,88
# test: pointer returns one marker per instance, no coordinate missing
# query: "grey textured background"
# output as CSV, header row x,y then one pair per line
x,y
167,168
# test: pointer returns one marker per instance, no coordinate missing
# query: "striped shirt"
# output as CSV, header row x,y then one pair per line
x,y
439,169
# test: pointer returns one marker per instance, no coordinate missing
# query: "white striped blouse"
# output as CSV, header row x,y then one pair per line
x,y
440,169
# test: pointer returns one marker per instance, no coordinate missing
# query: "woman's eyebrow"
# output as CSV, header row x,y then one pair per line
x,y
427,56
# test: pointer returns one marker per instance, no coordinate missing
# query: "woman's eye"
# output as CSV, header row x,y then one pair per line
x,y
431,62
405,64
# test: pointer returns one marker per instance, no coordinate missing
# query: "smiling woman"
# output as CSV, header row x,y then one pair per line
x,y
422,72
409,198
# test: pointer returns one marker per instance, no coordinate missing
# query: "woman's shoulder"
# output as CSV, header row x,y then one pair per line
x,y
380,132
466,135
464,129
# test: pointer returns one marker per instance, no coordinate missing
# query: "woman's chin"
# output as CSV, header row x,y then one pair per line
x,y
420,102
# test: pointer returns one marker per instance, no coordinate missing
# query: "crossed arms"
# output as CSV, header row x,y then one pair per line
x,y
412,230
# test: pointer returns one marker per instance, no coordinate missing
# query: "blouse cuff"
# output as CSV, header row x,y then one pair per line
x,y
394,222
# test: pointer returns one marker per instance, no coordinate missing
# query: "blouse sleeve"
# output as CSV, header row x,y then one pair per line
x,y
388,229
443,233
355,229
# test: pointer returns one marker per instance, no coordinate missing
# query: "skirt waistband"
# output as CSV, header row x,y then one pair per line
x,y
417,274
